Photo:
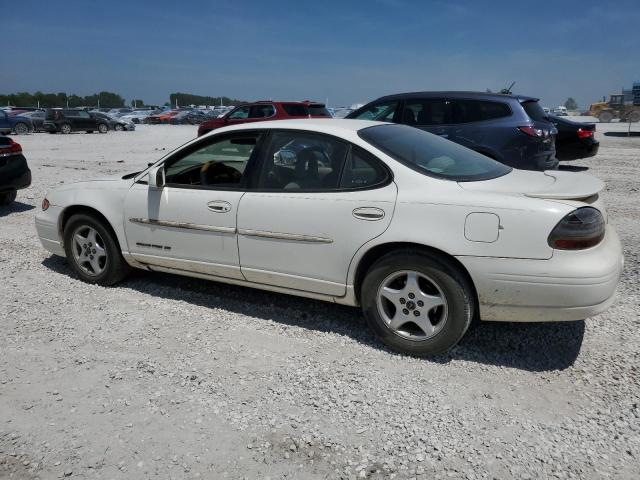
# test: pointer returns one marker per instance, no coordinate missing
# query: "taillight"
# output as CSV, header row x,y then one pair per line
x,y
582,134
582,228
534,132
12,149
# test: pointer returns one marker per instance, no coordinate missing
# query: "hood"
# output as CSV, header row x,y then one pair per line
x,y
551,184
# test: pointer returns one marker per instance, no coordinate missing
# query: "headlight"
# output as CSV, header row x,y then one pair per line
x,y
580,229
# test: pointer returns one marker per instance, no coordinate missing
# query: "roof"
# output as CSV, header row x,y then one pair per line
x,y
458,94
322,125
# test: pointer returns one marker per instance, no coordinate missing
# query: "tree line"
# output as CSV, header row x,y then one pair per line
x,y
183,99
52,100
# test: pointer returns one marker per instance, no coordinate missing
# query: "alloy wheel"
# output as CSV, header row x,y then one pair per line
x,y
89,250
412,305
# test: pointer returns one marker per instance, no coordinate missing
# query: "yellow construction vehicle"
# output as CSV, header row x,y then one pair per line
x,y
615,108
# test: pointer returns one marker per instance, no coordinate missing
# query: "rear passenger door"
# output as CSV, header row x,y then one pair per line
x,y
315,201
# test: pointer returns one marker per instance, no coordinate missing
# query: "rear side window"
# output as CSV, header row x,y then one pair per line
x,y
383,112
535,111
295,110
468,111
262,111
362,170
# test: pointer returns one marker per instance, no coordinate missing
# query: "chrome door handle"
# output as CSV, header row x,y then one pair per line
x,y
368,213
219,206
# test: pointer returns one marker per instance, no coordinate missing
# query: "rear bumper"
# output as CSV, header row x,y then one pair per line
x,y
14,173
572,285
577,150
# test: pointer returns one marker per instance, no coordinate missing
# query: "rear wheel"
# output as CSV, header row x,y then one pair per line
x,y
417,303
65,128
103,128
21,128
7,197
605,117
634,117
93,251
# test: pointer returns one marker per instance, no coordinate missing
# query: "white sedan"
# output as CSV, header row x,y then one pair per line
x,y
420,232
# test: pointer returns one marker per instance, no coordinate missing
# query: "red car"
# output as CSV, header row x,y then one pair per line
x,y
267,110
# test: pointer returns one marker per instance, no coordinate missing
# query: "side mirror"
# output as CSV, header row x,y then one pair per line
x,y
156,177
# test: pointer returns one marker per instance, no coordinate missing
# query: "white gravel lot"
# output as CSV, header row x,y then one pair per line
x,y
170,377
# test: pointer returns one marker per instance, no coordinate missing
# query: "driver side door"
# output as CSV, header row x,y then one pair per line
x,y
189,223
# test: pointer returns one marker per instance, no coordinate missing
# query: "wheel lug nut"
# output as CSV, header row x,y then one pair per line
x,y
403,301
412,296
420,303
405,311
91,257
93,251
416,313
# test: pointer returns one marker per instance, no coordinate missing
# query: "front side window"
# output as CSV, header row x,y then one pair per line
x,y
301,161
262,111
83,114
382,112
220,163
239,113
426,112
432,155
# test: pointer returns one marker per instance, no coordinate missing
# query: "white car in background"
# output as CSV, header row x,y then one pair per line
x,y
137,116
420,232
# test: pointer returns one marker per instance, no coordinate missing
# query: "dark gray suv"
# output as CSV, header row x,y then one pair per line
x,y
512,129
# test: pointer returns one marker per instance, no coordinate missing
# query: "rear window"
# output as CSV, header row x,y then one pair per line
x,y
318,110
535,111
432,155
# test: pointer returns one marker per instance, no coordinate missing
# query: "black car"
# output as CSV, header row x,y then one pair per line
x,y
68,120
512,129
575,140
115,123
14,171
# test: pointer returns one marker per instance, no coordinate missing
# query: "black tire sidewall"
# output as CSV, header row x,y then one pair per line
x,y
115,263
454,285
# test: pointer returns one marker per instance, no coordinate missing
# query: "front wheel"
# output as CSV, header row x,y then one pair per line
x,y
416,303
118,127
634,117
605,117
65,128
7,197
93,251
103,128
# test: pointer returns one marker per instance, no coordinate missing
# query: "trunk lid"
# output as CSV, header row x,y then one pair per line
x,y
551,184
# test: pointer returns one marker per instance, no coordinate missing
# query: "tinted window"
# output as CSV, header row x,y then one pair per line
x,y
429,111
362,170
535,111
295,110
240,113
318,110
382,112
300,161
220,163
467,111
83,114
432,155
262,111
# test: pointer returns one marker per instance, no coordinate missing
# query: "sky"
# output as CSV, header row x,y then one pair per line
x,y
345,51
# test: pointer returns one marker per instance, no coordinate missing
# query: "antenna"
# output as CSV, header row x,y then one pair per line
x,y
507,91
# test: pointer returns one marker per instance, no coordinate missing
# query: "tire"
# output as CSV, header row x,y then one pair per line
x,y
20,128
605,117
105,265
634,117
65,128
89,131
103,128
7,198
118,127
438,282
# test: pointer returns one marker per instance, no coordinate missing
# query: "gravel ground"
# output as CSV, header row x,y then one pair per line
x,y
170,377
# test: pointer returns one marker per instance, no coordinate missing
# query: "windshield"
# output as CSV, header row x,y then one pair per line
x,y
432,155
